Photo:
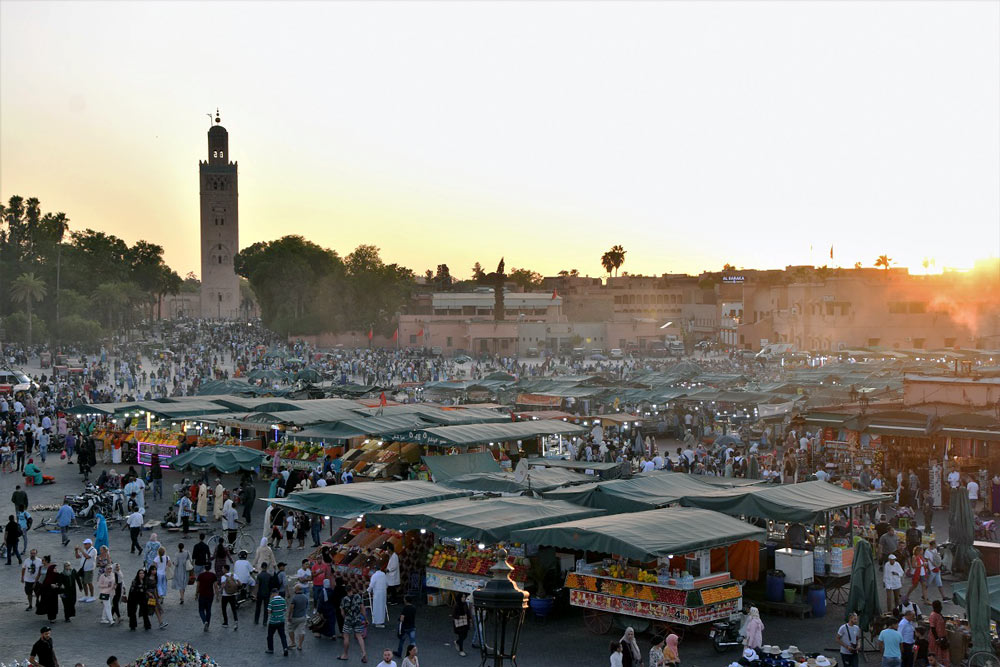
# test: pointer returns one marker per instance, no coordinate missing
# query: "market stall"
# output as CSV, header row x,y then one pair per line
x,y
352,500
469,530
659,565
224,458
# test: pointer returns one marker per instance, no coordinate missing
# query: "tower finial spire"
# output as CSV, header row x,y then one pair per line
x,y
217,118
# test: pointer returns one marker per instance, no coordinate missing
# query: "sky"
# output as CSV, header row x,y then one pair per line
x,y
694,134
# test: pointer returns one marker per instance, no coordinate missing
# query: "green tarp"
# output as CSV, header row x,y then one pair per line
x,y
443,468
223,458
993,588
807,502
482,434
597,466
645,492
489,520
644,536
347,500
537,479
358,426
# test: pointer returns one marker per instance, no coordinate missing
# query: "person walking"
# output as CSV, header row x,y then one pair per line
x,y
47,590
263,592
134,521
934,561
754,630
156,476
264,555
184,512
19,498
631,655
353,608
67,591
889,641
298,608
460,623
136,602
378,588
892,579
907,634
849,637
64,519
221,559
30,570
218,499
392,574
12,539
276,609
105,591
230,588
937,644
43,654
410,659
205,591
918,564
182,570
201,556
151,549
407,624
116,613
161,562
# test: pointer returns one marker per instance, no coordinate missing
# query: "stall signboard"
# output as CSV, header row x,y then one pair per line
x,y
147,449
653,610
451,581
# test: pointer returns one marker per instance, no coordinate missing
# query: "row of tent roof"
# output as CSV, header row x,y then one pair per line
x,y
705,516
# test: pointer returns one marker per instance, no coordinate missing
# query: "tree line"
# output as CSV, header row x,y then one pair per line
x,y
73,287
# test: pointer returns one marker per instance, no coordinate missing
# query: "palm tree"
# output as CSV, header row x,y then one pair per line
x,y
27,289
883,261
112,297
608,262
618,257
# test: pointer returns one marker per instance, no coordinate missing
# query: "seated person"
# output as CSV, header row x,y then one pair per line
x,y
906,605
32,471
242,570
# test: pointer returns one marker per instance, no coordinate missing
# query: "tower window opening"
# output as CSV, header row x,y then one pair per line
x,y
220,259
215,185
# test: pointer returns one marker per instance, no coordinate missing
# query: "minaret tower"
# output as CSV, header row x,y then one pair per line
x,y
220,229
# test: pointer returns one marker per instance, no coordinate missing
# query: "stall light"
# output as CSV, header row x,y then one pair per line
x,y
482,547
360,518
423,531
327,517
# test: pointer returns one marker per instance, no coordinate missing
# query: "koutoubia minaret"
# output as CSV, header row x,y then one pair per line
x,y
220,227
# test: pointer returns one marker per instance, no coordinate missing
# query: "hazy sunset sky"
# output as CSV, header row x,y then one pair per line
x,y
692,133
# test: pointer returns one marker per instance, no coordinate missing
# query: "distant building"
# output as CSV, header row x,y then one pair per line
x,y
218,181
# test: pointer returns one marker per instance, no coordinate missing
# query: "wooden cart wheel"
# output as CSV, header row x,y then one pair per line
x,y
662,629
598,622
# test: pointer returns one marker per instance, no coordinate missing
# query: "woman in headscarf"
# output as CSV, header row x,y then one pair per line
x,y
753,631
201,511
671,655
101,533
328,607
938,635
46,587
67,590
219,558
631,655
264,555
181,574
150,551
103,559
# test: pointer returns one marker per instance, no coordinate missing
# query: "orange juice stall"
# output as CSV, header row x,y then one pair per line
x,y
654,568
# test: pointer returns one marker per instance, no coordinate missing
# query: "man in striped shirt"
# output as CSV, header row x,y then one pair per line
x,y
276,609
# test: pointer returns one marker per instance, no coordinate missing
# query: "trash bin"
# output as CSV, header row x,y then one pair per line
x,y
770,547
775,586
816,596
789,595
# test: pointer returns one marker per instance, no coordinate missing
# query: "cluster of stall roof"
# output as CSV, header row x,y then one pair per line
x,y
649,516
335,419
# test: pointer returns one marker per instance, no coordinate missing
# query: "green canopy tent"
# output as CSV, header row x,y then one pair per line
x,y
308,375
961,530
224,458
488,520
602,469
469,435
347,500
863,598
539,479
644,536
443,468
808,502
959,591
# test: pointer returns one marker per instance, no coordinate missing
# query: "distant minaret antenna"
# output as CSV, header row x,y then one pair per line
x,y
209,119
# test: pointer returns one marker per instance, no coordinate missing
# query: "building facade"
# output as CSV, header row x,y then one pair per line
x,y
219,191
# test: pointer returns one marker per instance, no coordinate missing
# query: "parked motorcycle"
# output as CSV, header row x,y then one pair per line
x,y
726,634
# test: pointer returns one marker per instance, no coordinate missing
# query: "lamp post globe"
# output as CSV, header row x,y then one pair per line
x,y
499,607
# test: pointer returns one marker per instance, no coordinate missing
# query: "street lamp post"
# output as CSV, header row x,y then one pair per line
x,y
499,608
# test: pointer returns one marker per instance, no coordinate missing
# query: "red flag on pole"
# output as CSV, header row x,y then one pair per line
x,y
381,400
420,334
395,335
371,334
831,252
554,294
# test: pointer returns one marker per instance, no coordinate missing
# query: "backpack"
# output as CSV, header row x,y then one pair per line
x,y
231,586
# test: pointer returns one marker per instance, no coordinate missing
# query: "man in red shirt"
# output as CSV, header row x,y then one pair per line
x,y
206,587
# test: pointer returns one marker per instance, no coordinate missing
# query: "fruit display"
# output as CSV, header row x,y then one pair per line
x,y
300,451
473,562
720,594
172,438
